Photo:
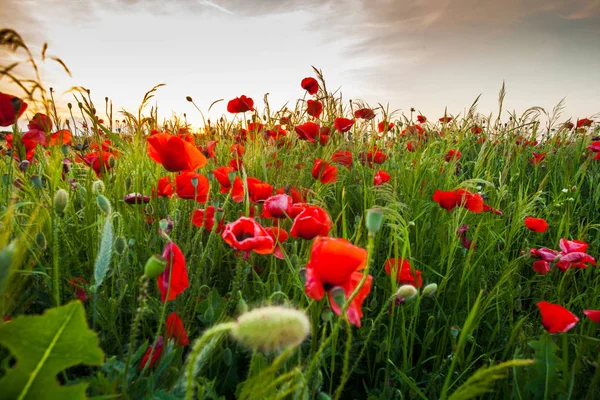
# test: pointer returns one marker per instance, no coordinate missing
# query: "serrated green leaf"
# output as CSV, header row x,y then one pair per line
x,y
44,345
546,380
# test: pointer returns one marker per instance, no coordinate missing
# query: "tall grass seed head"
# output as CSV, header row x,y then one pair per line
x,y
271,328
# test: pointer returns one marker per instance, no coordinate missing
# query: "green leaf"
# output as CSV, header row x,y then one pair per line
x,y
104,254
546,380
45,345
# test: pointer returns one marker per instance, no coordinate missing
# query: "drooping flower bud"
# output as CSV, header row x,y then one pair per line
x,y
430,290
120,245
154,266
406,291
98,187
40,240
103,204
61,200
374,220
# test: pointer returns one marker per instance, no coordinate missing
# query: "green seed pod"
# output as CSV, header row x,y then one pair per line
x,y
37,181
128,182
64,149
326,314
374,220
98,187
429,290
40,240
406,291
271,328
112,161
120,245
339,296
61,199
154,266
82,191
103,204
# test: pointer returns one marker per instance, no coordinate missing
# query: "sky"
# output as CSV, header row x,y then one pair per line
x,y
426,54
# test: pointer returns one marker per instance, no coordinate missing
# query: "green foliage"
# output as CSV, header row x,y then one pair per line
x,y
547,378
44,346
104,257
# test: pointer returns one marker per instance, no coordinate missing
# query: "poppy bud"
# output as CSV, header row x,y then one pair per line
x,y
61,199
194,182
326,314
271,328
406,291
103,204
339,296
232,176
120,245
188,98
302,274
154,266
242,306
40,240
37,181
131,243
128,182
429,290
374,220
69,106
23,165
64,149
112,161
98,187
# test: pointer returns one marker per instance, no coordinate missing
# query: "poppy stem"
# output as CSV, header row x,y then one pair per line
x,y
55,261
134,327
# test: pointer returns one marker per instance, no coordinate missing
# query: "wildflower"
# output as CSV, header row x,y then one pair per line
x,y
385,126
373,156
536,224
445,120
164,188
258,191
461,197
174,279
209,150
584,122
11,109
595,147
476,130
190,185
381,177
555,318
402,270
343,124
173,153
155,354
311,222
364,113
204,218
308,131
176,330
62,137
136,198
40,122
541,267
314,108
324,172
421,119
573,255
245,234
310,85
343,158
240,105
593,315
462,234
537,158
453,155
279,236
78,285
278,206
335,262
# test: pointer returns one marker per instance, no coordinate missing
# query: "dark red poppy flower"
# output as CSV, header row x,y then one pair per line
x,y
11,109
584,122
451,199
541,267
404,276
176,330
445,119
173,153
209,150
343,158
97,161
40,122
79,285
343,124
324,172
544,254
421,119
364,113
278,206
373,156
223,175
336,262
174,279
308,131
258,190
324,135
294,193
453,155
573,255
164,188
593,315
247,235
414,130
35,137
462,234
279,236
276,134
476,130
240,105
255,128
204,218
105,145
595,147
191,185
311,222
62,137
155,354
237,150
556,318
314,108
136,198
412,146
537,158
385,126
310,85
381,177
536,224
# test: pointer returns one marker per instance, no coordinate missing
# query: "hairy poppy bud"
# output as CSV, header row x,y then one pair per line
x,y
98,187
154,266
406,291
430,290
61,199
374,220
112,161
120,245
271,328
37,181
103,204
40,240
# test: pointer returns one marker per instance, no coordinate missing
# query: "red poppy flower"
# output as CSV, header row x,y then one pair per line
x,y
314,108
204,218
373,156
164,187
294,193
462,234
97,161
174,279
364,113
451,199
381,177
416,130
544,254
105,145
310,85
492,210
595,147
311,222
412,146
541,267
276,134
278,206
209,150
222,174
297,208
185,189
335,262
343,158
279,236
258,190
593,315
11,109
324,136
476,130
34,137
78,285
240,105
421,119
445,119
173,153
584,122
247,235
175,330
62,137
537,158
404,275
385,126
324,172
308,131
453,155
573,255
255,128
556,318
40,122
155,354
343,124
536,224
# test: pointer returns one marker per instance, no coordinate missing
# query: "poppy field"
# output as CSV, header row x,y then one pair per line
x,y
330,249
